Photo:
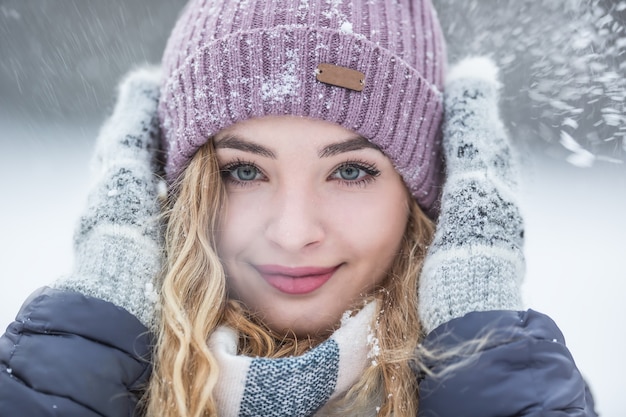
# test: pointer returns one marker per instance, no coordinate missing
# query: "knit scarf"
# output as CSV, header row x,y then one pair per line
x,y
293,386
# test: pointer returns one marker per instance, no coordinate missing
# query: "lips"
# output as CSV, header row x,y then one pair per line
x,y
301,280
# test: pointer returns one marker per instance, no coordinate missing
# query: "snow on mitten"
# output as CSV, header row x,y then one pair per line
x,y
476,261
118,242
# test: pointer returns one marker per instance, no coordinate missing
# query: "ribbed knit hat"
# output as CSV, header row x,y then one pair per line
x,y
228,61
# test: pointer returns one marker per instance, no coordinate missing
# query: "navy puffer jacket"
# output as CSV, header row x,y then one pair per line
x,y
70,355
523,369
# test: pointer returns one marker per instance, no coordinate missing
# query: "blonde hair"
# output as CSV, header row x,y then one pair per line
x,y
194,303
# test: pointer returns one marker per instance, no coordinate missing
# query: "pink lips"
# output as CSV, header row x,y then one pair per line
x,y
300,280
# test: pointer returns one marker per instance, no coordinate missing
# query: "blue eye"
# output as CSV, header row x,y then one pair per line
x,y
245,172
241,172
350,172
354,173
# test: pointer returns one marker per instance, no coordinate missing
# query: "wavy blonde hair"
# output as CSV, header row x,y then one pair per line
x,y
194,303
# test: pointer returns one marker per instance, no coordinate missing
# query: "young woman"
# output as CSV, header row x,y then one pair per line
x,y
294,268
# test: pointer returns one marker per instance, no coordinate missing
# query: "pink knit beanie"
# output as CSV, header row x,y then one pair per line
x,y
229,60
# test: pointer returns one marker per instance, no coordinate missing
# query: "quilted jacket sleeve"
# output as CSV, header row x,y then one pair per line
x,y
71,355
521,367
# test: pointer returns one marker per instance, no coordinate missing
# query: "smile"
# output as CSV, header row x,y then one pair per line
x,y
295,281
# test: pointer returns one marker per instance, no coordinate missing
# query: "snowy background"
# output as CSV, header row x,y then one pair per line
x,y
564,68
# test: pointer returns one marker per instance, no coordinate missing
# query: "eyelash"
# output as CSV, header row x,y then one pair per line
x,y
368,168
228,169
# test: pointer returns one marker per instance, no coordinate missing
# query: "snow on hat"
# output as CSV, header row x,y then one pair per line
x,y
374,67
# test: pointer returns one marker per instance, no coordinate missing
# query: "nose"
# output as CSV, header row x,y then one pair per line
x,y
296,221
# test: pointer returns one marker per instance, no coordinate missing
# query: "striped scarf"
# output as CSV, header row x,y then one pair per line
x,y
293,386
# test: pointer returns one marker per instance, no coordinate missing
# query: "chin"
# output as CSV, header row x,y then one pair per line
x,y
305,327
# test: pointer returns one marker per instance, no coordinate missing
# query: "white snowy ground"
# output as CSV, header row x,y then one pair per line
x,y
576,242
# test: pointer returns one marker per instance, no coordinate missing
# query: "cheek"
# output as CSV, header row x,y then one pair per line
x,y
374,226
234,240
236,228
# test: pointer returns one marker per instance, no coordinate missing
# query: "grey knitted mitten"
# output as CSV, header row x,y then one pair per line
x,y
118,243
476,260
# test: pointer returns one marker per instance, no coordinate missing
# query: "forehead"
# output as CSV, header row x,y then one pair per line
x,y
253,134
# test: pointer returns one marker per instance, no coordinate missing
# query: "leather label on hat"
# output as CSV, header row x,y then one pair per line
x,y
340,76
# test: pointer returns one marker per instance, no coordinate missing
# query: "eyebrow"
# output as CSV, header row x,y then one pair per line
x,y
354,144
233,142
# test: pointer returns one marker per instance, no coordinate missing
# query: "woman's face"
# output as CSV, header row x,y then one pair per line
x,y
313,221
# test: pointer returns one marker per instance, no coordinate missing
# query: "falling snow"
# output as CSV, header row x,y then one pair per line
x,y
283,84
373,342
563,67
579,157
563,61
10,13
346,316
150,293
563,64
346,28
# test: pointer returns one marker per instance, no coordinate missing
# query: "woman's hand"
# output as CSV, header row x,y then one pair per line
x,y
118,243
476,261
